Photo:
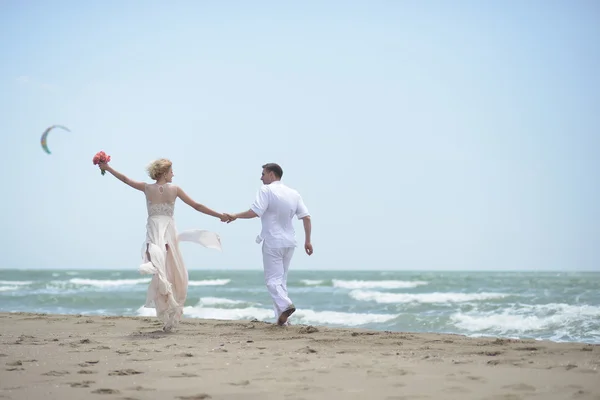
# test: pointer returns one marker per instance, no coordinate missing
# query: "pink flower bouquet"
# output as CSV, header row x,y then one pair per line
x,y
101,157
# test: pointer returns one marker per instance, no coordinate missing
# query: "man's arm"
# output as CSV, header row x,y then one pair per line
x,y
257,209
243,215
307,231
246,215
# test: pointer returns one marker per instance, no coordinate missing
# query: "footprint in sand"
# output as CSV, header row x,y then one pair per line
x,y
123,372
86,371
460,362
475,378
88,363
87,321
15,363
201,396
362,334
521,387
105,391
56,373
83,384
307,350
15,369
140,389
490,353
308,329
184,375
240,383
529,348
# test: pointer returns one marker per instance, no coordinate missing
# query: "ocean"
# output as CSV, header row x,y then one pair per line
x,y
557,306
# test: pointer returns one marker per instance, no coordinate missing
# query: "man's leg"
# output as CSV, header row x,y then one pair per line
x,y
274,272
288,253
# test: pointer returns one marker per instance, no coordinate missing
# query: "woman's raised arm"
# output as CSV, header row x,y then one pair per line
x,y
134,184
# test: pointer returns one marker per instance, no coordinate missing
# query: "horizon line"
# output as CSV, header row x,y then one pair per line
x,y
314,270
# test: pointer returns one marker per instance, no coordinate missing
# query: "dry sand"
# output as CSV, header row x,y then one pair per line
x,y
82,357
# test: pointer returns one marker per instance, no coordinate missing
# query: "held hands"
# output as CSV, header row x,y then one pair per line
x,y
225,217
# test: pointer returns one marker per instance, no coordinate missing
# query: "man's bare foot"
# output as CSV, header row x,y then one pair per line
x,y
281,321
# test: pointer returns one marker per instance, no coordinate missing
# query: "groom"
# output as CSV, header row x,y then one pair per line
x,y
276,204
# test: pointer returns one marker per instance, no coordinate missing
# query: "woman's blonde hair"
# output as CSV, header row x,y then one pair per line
x,y
158,168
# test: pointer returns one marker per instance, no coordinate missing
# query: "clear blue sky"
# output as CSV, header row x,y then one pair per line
x,y
421,134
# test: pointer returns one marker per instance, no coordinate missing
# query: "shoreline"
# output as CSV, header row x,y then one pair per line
x,y
78,356
387,331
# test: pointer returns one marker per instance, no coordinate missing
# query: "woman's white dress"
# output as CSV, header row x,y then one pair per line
x,y
161,255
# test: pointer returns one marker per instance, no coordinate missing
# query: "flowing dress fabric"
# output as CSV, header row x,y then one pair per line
x,y
162,258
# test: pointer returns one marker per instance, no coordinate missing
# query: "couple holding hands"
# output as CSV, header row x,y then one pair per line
x,y
276,205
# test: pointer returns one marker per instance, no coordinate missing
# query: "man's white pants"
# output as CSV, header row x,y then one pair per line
x,y
276,262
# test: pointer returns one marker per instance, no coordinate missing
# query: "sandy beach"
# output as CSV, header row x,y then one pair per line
x,y
82,357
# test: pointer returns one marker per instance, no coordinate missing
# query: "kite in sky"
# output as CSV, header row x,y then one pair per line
x,y
44,140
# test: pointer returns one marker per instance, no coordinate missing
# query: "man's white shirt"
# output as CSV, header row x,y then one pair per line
x,y
276,204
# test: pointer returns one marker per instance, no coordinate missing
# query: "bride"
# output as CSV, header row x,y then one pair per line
x,y
161,256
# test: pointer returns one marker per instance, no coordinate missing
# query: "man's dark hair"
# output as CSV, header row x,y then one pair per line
x,y
274,168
